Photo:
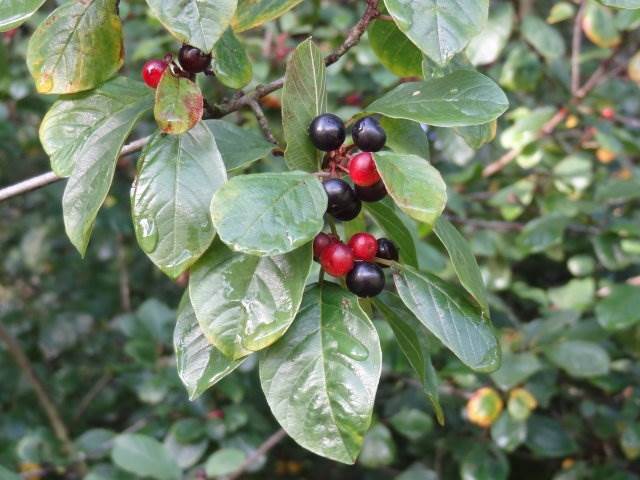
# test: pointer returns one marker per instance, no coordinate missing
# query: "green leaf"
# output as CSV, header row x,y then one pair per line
x,y
145,456
179,104
170,199
14,13
228,136
478,135
413,184
412,423
199,23
440,28
516,368
630,441
231,63
8,475
224,462
253,13
269,213
542,233
378,449
387,219
304,97
77,47
482,463
547,438
394,50
508,433
463,261
485,48
412,337
461,98
629,4
544,38
448,315
244,303
405,136
599,25
621,309
579,358
200,364
93,124
332,361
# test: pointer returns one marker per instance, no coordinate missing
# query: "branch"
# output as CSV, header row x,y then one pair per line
x,y
576,43
59,428
263,449
262,121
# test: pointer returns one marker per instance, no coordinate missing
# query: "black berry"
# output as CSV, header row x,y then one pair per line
x,y
387,250
349,212
368,135
193,60
340,195
327,132
374,193
365,279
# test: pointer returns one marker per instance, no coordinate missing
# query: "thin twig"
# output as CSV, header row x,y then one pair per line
x,y
55,419
576,43
263,121
123,275
91,395
263,449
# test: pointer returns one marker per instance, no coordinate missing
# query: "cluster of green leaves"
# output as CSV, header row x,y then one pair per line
x,y
210,198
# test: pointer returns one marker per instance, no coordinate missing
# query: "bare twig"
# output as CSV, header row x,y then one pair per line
x,y
55,419
576,43
91,395
263,449
262,121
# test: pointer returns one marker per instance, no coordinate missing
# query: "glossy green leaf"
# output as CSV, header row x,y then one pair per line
x,y
485,48
224,462
405,136
179,104
304,97
412,423
253,13
629,4
451,317
546,437
170,199
200,364
231,63
75,36
478,135
461,98
269,213
415,186
412,337
229,136
579,358
93,124
378,449
621,309
394,50
244,303
144,456
440,28
463,261
508,433
543,37
516,369
387,219
14,13
199,23
332,359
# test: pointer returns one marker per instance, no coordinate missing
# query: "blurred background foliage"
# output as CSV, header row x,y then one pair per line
x,y
556,233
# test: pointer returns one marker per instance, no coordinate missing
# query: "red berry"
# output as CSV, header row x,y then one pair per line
x,y
608,113
321,242
364,246
152,72
337,259
362,169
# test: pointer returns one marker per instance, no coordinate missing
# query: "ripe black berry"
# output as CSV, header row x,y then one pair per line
x,y
373,193
327,132
387,250
365,279
193,60
368,135
349,212
340,195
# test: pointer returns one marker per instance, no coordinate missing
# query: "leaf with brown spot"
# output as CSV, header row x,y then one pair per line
x,y
179,104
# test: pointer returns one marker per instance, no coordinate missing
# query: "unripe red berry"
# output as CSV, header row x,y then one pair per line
x,y
337,259
321,242
364,246
362,170
152,72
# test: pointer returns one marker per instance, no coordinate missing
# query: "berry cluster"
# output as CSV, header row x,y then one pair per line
x,y
328,133
356,260
191,60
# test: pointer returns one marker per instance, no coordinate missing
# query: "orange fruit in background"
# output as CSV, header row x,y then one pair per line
x,y
605,156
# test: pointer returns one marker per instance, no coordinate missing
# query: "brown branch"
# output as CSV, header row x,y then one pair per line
x,y
123,275
263,121
576,44
263,449
59,428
